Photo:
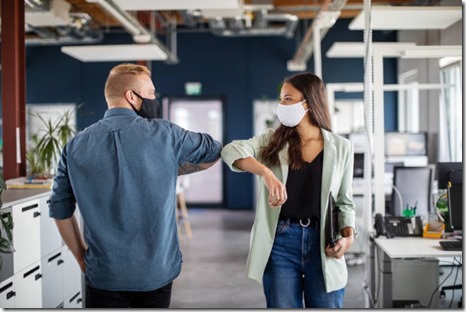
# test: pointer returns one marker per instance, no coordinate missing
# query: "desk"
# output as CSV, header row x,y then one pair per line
x,y
408,269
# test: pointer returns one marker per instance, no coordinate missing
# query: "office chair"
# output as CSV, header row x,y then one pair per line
x,y
415,188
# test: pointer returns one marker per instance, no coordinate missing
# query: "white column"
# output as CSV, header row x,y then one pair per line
x,y
379,134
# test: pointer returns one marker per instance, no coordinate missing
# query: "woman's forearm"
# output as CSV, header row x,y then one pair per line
x,y
250,164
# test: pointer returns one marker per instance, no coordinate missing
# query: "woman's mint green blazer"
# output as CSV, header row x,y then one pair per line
x,y
337,175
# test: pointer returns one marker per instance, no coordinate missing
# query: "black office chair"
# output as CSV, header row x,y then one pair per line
x,y
452,287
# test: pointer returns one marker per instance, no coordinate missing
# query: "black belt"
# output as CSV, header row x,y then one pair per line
x,y
304,222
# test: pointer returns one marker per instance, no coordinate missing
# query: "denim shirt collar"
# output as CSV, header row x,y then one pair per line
x,y
119,111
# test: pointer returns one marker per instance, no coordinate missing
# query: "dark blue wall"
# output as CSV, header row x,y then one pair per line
x,y
239,69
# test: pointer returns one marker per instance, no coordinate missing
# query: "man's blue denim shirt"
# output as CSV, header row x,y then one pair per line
x,y
121,172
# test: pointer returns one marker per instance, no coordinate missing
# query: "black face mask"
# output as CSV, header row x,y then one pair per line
x,y
149,107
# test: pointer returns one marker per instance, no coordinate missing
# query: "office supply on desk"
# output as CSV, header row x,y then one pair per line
x,y
415,186
395,226
451,244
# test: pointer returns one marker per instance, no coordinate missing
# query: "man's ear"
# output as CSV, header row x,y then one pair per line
x,y
130,97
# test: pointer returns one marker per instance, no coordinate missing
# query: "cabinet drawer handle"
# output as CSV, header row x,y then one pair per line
x,y
29,207
79,300
54,257
36,214
10,284
75,296
10,294
31,271
38,276
60,262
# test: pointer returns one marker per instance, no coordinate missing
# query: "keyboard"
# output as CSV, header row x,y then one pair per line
x,y
453,245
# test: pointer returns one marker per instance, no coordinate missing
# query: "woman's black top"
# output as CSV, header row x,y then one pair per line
x,y
303,187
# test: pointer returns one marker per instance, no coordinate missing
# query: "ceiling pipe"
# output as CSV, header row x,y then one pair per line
x,y
263,25
324,20
133,26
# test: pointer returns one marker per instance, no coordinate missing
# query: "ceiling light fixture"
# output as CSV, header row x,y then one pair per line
x,y
116,52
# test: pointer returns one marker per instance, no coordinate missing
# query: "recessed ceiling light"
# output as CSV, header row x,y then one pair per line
x,y
116,52
408,17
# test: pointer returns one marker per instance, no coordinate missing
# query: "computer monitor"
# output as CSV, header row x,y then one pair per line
x,y
405,144
455,205
445,172
358,171
414,185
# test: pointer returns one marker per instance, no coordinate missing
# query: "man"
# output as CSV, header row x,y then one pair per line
x,y
121,172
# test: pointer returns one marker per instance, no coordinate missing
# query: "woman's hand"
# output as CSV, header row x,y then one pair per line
x,y
277,191
342,245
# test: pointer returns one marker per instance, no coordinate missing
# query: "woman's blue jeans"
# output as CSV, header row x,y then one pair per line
x,y
294,270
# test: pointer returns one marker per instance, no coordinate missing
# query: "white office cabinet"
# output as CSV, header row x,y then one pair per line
x,y
52,279
74,301
72,282
7,293
50,239
42,272
26,234
29,287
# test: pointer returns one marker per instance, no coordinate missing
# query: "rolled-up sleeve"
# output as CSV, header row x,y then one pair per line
x,y
239,149
62,202
194,147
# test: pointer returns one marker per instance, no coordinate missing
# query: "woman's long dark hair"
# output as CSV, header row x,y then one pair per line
x,y
313,90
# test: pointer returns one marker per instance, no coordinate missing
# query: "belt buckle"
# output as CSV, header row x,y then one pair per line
x,y
305,225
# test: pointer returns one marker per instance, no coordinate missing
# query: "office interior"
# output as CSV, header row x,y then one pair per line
x,y
394,89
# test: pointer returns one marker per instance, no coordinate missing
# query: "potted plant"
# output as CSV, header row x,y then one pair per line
x,y
6,239
47,144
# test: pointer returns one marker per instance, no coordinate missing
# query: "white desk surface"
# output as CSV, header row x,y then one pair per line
x,y
414,247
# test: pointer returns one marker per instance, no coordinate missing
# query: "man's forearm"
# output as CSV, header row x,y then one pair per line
x,y
188,168
69,231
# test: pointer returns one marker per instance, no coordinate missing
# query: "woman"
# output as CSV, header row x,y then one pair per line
x,y
298,165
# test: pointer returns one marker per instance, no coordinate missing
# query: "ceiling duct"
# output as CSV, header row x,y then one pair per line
x,y
324,20
258,24
47,13
45,24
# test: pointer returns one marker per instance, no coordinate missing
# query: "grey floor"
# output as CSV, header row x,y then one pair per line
x,y
214,266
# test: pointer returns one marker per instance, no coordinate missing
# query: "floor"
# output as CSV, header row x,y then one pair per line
x,y
214,266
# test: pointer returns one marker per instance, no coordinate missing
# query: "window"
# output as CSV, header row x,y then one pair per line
x,y
451,112
408,103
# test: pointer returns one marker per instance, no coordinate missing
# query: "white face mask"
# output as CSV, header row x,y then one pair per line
x,y
291,115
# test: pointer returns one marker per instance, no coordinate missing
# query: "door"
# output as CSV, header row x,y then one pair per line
x,y
199,114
